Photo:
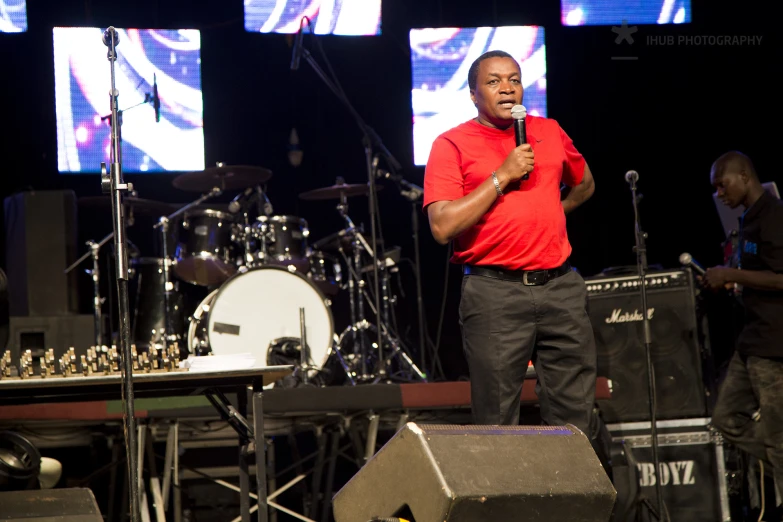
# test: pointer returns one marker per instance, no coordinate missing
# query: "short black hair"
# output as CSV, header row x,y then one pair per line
x,y
736,161
474,68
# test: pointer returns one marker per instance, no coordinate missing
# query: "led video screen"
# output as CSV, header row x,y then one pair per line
x,y
170,59
614,12
440,59
341,17
13,16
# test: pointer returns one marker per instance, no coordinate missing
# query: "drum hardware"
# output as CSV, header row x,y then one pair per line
x,y
358,296
283,241
414,194
94,253
169,333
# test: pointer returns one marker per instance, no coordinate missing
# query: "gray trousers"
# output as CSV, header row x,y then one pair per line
x,y
505,324
749,410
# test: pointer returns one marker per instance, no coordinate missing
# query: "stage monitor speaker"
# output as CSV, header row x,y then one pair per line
x,y
614,305
49,505
41,235
442,473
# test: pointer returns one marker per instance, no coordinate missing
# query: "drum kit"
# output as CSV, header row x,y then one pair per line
x,y
268,289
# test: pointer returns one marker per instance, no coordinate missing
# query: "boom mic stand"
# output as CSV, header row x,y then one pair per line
x,y
369,140
414,194
641,263
112,183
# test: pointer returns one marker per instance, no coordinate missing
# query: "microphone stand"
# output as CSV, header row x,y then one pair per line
x,y
370,140
112,183
641,263
414,194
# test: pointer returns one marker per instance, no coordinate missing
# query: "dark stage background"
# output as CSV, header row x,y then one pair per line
x,y
667,115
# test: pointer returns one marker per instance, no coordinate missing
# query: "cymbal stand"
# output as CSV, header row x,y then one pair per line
x,y
358,296
168,287
354,288
94,252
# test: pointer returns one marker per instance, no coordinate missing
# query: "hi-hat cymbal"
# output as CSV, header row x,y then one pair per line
x,y
140,206
224,177
337,191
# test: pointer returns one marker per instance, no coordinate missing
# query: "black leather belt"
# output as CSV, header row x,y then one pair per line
x,y
526,277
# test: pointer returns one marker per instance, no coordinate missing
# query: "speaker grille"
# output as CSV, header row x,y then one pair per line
x,y
614,306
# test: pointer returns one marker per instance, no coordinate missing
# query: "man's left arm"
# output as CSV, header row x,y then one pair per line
x,y
720,276
575,196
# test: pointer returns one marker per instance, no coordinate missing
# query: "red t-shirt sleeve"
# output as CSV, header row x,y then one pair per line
x,y
573,161
443,180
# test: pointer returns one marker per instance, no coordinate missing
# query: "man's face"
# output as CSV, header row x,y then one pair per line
x,y
731,187
498,89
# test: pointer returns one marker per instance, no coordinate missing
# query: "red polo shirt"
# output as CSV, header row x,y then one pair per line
x,y
525,229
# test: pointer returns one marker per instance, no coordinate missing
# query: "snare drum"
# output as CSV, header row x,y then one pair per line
x,y
256,309
286,240
205,252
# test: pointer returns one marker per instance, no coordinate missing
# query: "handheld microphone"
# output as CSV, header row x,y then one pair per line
x,y
155,97
518,112
687,260
297,53
236,203
109,35
631,176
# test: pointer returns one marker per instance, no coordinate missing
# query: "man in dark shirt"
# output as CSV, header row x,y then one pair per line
x,y
749,410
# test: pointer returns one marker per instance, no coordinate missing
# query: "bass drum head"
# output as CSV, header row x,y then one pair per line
x,y
254,309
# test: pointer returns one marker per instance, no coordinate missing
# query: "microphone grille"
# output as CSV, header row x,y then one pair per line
x,y
518,112
685,258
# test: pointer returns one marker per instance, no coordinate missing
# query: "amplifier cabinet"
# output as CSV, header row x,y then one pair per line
x,y
614,306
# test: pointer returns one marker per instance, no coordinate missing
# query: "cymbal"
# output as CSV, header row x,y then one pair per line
x,y
336,191
224,177
140,206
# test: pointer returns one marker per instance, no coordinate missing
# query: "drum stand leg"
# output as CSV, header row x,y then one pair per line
x,y
303,347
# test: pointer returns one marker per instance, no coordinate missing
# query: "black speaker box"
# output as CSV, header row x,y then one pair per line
x,y
38,334
614,306
442,473
41,235
49,505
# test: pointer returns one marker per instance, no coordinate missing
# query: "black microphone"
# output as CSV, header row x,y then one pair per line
x,y
631,176
687,260
518,112
155,97
110,33
236,203
297,53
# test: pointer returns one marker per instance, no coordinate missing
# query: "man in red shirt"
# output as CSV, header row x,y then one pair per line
x,y
520,298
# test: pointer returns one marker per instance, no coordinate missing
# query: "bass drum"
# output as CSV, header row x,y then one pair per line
x,y
256,310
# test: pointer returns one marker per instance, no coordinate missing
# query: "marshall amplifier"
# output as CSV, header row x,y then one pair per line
x,y
692,468
614,306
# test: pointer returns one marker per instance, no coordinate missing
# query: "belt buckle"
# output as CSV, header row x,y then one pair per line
x,y
539,278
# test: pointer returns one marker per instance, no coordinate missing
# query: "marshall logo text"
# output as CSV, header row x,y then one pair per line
x,y
618,316
677,473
